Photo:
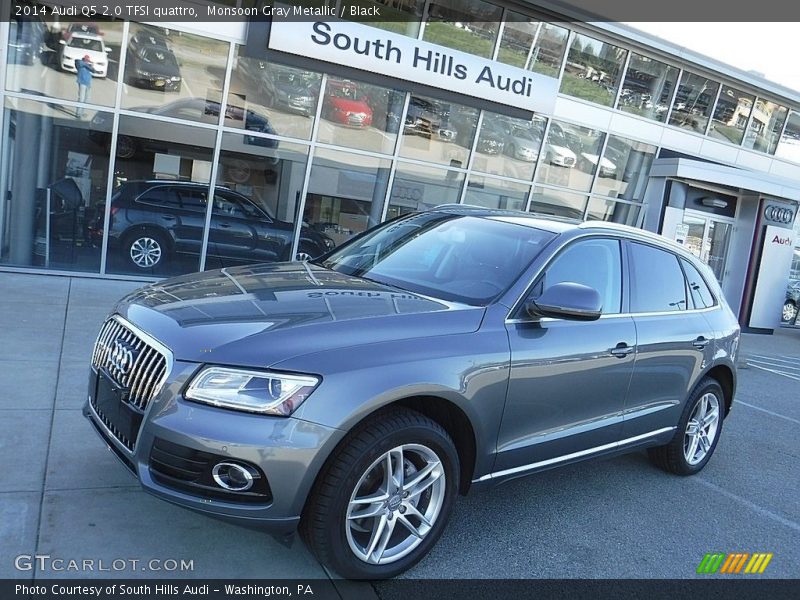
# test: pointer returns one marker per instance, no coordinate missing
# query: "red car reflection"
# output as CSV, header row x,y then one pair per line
x,y
346,105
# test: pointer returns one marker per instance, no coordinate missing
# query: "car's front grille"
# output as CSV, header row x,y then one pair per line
x,y
134,364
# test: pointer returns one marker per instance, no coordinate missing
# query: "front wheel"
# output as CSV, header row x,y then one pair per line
x,y
384,498
697,433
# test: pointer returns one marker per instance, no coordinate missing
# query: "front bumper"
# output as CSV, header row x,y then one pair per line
x,y
288,451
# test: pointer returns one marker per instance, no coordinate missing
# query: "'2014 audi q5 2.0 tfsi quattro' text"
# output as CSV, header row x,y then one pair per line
x,y
355,396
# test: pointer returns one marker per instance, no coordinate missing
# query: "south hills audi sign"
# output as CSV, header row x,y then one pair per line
x,y
395,55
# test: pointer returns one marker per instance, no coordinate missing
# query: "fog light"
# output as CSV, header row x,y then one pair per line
x,y
232,477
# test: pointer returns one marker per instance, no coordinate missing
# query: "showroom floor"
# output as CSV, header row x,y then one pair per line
x,y
63,493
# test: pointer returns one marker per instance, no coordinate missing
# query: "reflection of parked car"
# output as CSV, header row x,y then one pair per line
x,y
153,67
79,45
523,143
557,152
284,88
344,104
153,220
81,27
25,39
589,162
429,119
792,303
195,109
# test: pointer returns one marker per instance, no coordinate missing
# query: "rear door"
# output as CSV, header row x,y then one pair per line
x,y
569,379
674,340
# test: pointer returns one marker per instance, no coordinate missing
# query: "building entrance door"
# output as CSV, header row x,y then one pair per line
x,y
708,239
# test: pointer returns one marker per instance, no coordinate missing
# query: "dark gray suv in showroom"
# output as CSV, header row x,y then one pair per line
x,y
355,396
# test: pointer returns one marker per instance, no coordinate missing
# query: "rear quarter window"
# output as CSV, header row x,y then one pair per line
x,y
657,282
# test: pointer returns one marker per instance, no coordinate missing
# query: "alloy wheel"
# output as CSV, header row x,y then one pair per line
x,y
789,311
701,430
395,504
145,252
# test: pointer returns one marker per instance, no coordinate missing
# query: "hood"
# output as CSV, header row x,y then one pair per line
x,y
262,314
604,162
563,151
357,106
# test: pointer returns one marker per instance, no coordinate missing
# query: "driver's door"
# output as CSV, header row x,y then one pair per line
x,y
569,379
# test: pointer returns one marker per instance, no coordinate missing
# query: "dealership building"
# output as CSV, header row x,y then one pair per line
x,y
304,133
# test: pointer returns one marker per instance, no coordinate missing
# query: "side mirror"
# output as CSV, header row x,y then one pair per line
x,y
567,300
108,50
62,42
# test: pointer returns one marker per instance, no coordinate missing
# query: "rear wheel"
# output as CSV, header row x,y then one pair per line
x,y
789,311
697,434
384,498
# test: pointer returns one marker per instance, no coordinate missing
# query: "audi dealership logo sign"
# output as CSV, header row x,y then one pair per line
x,y
777,213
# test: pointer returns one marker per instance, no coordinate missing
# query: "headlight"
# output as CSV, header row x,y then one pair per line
x,y
251,391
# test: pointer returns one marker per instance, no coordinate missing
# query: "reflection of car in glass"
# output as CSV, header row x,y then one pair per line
x,y
523,143
195,109
344,104
439,354
142,39
430,119
792,304
284,88
153,67
153,220
26,37
79,45
81,27
589,162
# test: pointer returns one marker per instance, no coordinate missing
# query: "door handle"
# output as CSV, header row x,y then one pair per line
x,y
621,350
224,226
167,218
700,343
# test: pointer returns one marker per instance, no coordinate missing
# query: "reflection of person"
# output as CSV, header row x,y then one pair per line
x,y
84,69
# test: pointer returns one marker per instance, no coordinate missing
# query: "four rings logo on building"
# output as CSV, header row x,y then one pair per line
x,y
736,562
778,214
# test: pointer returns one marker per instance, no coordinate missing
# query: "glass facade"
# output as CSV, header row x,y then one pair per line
x,y
184,153
593,70
647,88
693,102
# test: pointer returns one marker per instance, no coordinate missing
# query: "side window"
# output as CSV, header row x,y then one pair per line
x,y
595,263
224,207
657,283
701,295
194,200
160,196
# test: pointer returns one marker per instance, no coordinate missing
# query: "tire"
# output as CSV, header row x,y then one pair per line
x,y
357,469
674,457
305,252
789,312
145,250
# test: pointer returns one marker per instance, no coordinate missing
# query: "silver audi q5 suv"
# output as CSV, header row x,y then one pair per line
x,y
357,395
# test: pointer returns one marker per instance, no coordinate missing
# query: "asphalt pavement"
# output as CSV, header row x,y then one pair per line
x,y
617,518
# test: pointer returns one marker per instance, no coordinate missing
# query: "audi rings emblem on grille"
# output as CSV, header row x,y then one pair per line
x,y
121,357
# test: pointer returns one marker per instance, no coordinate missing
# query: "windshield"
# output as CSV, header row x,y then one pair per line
x,y
452,257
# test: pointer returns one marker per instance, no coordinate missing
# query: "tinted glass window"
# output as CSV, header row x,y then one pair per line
x,y
657,283
595,263
161,196
193,200
701,295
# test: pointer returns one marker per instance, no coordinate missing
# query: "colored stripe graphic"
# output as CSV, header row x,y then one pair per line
x,y
734,563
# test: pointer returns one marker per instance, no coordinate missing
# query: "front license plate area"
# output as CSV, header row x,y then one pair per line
x,y
111,403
